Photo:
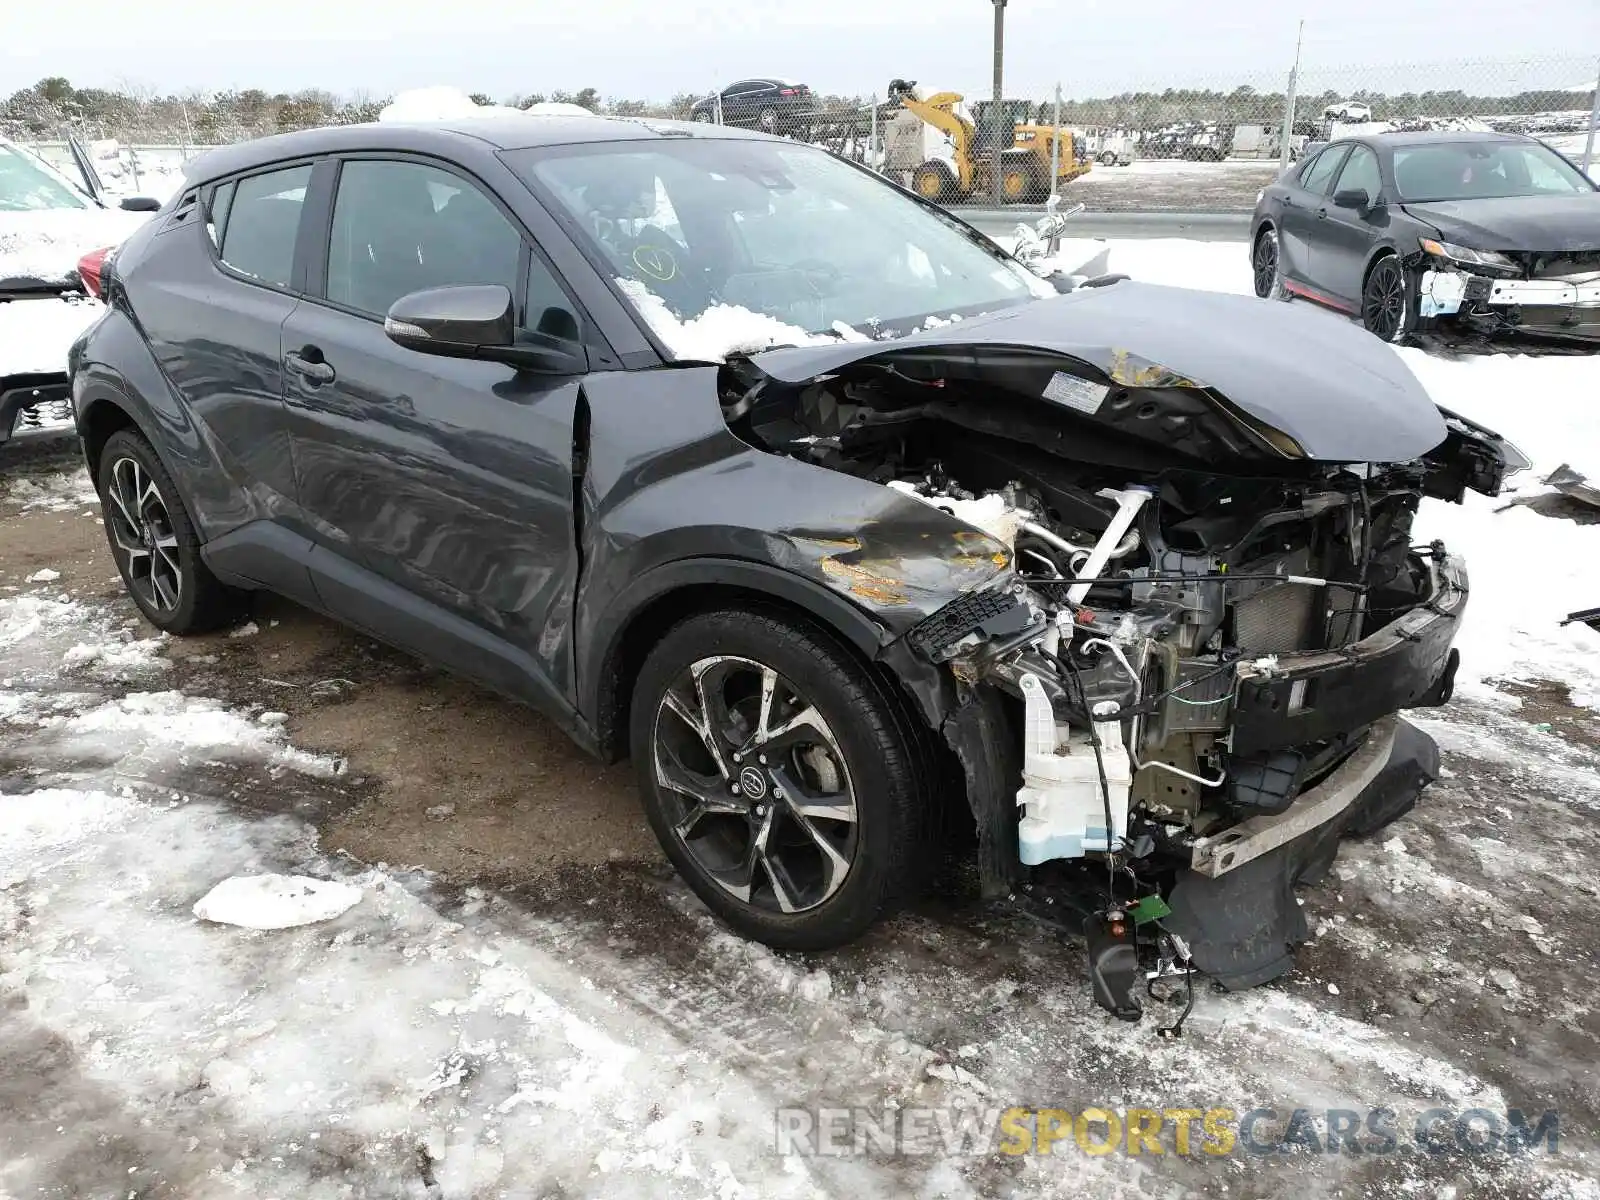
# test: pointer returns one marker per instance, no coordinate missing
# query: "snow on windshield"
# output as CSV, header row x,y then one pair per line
x,y
720,331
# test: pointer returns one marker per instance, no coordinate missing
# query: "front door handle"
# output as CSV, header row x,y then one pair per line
x,y
309,364
1322,213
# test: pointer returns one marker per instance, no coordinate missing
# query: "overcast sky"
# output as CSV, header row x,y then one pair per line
x,y
654,48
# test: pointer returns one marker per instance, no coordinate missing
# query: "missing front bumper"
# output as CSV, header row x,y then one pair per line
x,y
1554,308
1236,908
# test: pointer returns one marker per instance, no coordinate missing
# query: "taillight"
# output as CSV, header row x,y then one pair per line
x,y
788,91
91,267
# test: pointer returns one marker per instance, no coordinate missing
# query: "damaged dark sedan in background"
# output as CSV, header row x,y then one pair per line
x,y
860,538
1472,235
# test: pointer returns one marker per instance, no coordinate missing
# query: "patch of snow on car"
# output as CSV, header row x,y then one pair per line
x,y
438,104
275,901
720,331
36,333
47,244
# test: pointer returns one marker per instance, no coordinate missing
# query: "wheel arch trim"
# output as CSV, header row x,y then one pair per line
x,y
605,680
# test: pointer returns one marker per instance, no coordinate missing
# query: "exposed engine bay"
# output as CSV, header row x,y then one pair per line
x,y
1203,639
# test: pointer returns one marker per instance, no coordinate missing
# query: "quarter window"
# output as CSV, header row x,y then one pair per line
x,y
263,219
217,211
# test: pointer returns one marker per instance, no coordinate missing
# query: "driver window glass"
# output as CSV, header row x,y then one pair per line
x,y
400,227
1361,171
1320,173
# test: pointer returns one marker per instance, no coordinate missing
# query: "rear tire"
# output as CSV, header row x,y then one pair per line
x,y
812,729
154,542
1266,266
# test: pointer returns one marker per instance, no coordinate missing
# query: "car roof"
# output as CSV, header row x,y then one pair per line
x,y
519,132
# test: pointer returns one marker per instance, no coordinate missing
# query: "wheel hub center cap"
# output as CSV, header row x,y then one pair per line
x,y
753,783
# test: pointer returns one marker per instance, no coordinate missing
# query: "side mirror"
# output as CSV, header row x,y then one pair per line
x,y
140,204
473,321
1356,198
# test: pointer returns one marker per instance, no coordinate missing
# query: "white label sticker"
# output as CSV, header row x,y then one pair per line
x,y
1075,393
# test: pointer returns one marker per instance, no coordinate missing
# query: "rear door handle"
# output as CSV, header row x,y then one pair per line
x,y
310,365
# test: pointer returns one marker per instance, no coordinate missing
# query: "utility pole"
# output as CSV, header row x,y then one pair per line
x,y
1288,101
1055,148
999,92
1594,119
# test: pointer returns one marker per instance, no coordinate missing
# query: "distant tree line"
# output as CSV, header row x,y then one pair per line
x,y
53,106
1245,105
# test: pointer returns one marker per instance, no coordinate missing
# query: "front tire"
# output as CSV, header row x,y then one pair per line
x,y
154,543
1389,301
778,776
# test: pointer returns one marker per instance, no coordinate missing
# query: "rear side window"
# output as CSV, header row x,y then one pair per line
x,y
262,220
1317,176
217,211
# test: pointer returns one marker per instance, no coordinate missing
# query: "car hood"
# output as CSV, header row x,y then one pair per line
x,y
40,250
1563,224
1339,392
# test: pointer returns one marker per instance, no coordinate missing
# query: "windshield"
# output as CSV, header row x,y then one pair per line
x,y
25,185
1483,171
815,246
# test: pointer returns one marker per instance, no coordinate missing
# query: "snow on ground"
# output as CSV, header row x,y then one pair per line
x,y
429,1043
59,491
1527,571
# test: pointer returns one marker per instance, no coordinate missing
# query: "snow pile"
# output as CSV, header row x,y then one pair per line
x,y
116,660
421,105
167,725
25,619
56,492
720,331
275,901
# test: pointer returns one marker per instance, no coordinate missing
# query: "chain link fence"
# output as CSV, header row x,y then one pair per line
x,y
1193,145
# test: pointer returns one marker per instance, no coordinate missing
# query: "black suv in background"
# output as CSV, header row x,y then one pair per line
x,y
772,105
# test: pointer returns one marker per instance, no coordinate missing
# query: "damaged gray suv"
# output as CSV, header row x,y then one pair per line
x,y
863,540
